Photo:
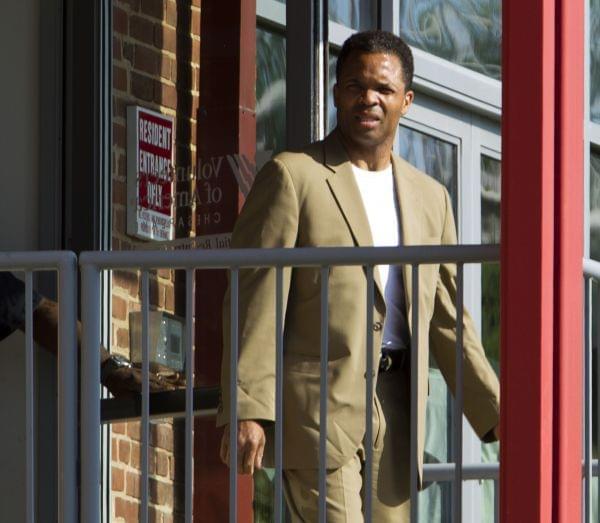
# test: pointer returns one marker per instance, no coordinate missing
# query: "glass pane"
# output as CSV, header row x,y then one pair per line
x,y
270,91
331,110
490,272
595,254
595,206
433,156
465,32
595,60
358,14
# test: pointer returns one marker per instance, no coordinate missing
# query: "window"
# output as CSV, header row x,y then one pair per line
x,y
490,272
595,206
331,110
465,32
436,157
357,14
270,90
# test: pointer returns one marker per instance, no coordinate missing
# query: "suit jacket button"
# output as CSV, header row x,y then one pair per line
x,y
377,326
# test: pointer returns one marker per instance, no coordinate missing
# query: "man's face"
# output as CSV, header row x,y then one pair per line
x,y
370,98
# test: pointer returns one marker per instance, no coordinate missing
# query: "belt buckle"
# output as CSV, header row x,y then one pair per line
x,y
385,363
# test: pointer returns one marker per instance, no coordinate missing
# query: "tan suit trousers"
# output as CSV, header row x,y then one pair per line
x,y
345,488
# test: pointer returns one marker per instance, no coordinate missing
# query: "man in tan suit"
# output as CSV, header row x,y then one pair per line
x,y
349,190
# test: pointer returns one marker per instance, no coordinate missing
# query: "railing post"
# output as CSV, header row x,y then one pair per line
x,y
30,390
67,389
90,394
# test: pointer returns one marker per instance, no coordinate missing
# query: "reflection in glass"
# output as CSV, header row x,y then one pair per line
x,y
270,91
595,60
595,254
595,206
465,32
331,110
490,200
490,272
357,14
433,156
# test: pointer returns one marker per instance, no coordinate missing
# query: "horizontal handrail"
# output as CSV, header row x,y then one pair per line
x,y
433,472
36,260
296,257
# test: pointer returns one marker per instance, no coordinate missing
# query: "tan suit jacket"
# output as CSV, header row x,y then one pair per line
x,y
310,199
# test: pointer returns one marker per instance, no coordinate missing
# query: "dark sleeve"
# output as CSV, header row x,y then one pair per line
x,y
12,303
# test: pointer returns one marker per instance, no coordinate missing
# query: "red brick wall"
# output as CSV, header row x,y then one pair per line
x,y
156,56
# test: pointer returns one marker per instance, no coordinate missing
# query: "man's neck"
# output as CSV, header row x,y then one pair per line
x,y
374,158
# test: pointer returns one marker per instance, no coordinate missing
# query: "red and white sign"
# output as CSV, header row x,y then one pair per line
x,y
149,174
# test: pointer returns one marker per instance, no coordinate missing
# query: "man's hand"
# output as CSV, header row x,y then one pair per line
x,y
127,382
250,446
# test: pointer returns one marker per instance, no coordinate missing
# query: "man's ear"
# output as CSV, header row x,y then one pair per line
x,y
409,96
335,95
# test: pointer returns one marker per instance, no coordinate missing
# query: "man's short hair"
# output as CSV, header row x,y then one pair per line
x,y
377,41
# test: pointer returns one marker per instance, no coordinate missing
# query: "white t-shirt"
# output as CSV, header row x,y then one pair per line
x,y
379,199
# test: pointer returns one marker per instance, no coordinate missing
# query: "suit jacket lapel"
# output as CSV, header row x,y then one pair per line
x,y
347,196
411,210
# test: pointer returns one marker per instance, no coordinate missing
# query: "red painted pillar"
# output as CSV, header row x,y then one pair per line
x,y
226,129
568,311
527,281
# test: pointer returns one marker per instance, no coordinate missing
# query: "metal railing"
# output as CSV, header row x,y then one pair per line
x,y
92,263
65,264
203,402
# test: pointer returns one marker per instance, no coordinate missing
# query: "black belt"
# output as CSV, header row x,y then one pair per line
x,y
393,359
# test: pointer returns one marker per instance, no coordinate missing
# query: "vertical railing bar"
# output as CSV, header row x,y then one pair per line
x,y
597,393
279,512
587,383
233,419
67,391
90,395
496,501
414,397
323,394
458,396
189,395
369,375
29,401
145,428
